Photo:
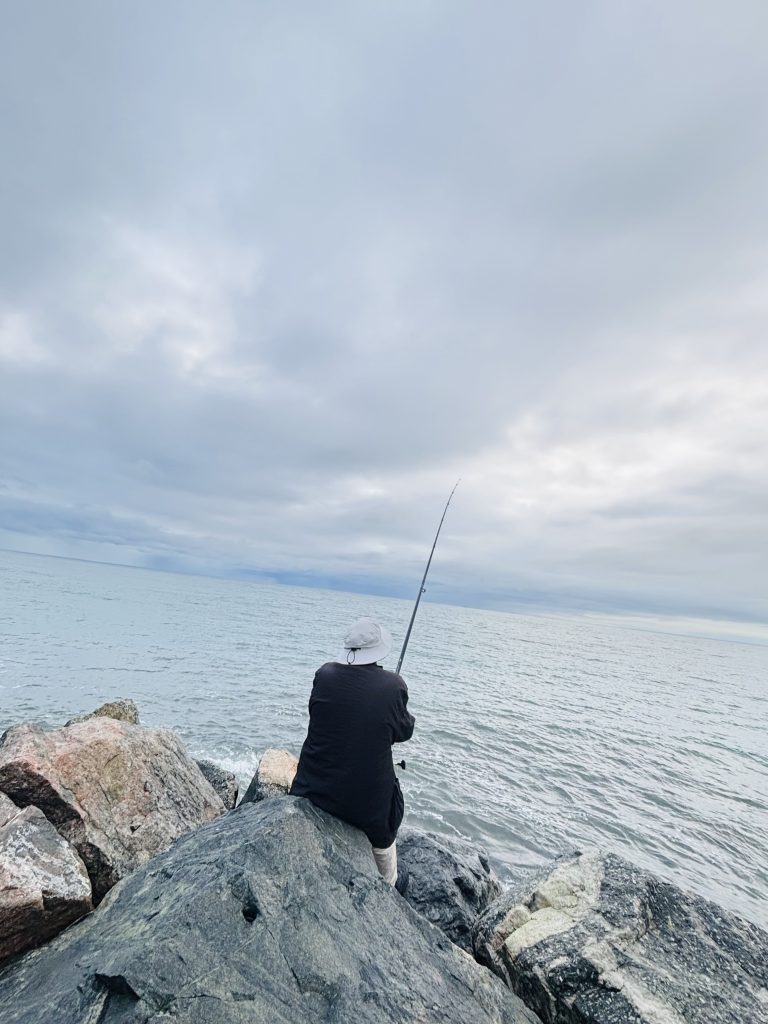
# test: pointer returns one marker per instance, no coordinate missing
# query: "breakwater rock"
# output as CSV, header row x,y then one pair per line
x,y
594,939
274,913
43,883
121,710
273,776
119,793
450,881
224,783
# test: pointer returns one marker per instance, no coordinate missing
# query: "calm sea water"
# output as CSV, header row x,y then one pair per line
x,y
534,734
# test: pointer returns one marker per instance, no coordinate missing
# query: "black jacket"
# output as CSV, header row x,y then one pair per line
x,y
356,713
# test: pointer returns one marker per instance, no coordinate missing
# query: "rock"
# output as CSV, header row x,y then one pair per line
x,y
7,809
43,883
596,940
223,782
119,793
273,777
273,914
450,881
120,710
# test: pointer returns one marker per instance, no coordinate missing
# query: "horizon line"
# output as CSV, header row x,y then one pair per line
x,y
622,618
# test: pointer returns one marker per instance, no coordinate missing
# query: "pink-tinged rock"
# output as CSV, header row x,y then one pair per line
x,y
43,883
119,793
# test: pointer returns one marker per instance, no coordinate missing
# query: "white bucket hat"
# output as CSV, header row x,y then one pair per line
x,y
365,643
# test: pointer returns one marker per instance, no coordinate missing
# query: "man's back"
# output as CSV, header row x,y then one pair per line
x,y
356,713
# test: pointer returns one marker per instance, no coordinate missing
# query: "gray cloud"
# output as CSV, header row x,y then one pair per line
x,y
272,278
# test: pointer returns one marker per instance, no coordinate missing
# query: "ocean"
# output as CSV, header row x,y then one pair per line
x,y
535,734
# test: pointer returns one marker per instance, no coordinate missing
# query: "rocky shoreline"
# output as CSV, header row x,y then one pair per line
x,y
208,910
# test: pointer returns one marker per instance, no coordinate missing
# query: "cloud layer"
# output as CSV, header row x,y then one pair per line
x,y
275,275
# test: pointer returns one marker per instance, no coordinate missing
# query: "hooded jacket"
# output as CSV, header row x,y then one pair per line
x,y
356,713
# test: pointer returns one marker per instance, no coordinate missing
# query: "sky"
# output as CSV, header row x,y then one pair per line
x,y
274,276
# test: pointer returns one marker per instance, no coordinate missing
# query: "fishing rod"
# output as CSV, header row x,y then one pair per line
x,y
424,578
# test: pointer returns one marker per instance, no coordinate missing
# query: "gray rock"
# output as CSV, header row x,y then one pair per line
x,y
223,782
121,710
119,793
273,914
593,939
273,777
43,883
450,881
7,809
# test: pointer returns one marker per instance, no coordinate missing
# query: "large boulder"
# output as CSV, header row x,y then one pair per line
x,y
224,783
43,883
450,881
273,777
273,914
119,793
593,939
121,710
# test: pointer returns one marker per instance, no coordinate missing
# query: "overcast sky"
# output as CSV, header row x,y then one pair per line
x,y
274,275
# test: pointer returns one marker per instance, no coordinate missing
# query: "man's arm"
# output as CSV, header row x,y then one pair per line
x,y
312,694
403,720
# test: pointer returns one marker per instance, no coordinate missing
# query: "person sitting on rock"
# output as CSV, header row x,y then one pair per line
x,y
357,710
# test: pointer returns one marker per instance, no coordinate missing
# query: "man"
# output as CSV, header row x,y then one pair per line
x,y
357,710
